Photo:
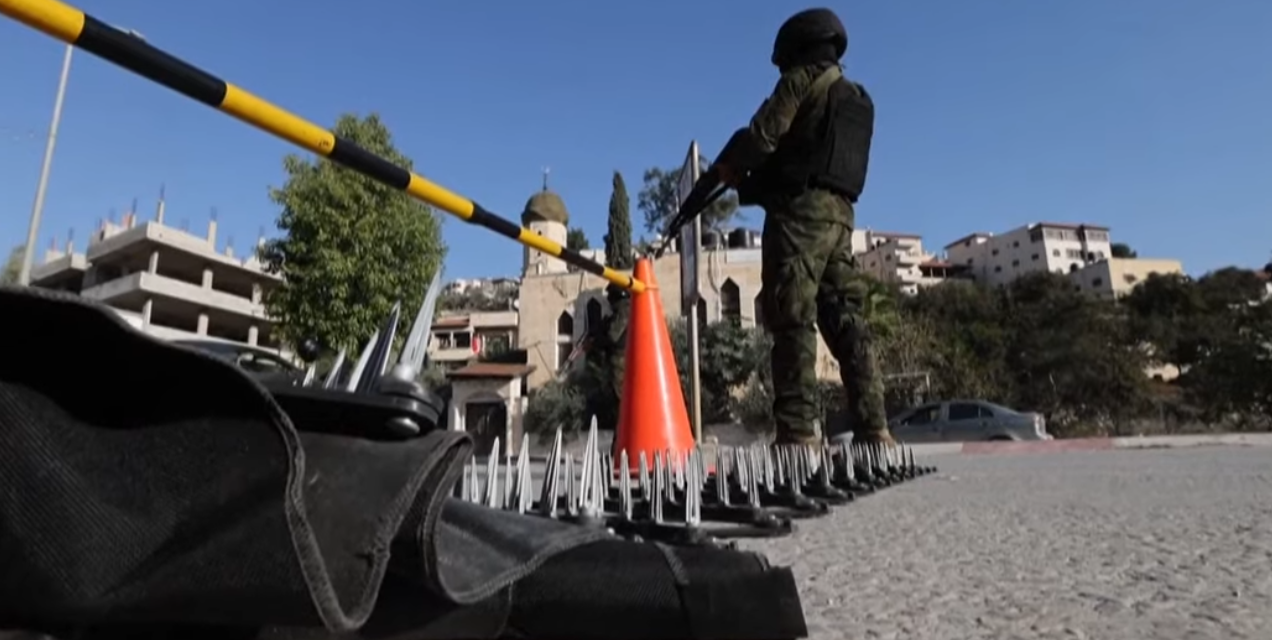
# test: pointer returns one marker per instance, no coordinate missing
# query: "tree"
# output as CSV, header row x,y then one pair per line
x,y
1122,250
13,266
1071,356
351,246
618,235
658,201
576,239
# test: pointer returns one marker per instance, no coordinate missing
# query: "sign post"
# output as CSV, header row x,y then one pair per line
x,y
690,253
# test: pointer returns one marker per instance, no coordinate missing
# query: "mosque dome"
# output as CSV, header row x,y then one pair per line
x,y
545,206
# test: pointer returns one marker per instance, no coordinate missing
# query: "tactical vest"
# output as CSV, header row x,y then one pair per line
x,y
827,146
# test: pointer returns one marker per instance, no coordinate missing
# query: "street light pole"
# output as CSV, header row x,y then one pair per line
x,y
37,210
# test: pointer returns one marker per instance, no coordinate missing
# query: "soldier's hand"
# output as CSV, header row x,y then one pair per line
x,y
727,175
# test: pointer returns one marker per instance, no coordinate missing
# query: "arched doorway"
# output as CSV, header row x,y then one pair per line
x,y
485,421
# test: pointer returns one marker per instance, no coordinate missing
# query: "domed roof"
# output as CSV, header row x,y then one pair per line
x,y
545,206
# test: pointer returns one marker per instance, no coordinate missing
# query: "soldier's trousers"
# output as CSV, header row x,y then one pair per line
x,y
810,282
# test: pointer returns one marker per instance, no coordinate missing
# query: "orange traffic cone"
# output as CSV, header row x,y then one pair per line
x,y
652,415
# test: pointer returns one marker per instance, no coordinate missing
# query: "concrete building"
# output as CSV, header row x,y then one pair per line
x,y
900,258
492,285
460,338
1042,246
1115,277
167,282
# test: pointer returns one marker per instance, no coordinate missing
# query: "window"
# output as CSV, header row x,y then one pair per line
x,y
923,415
966,411
969,261
595,316
1015,244
1098,282
1035,257
731,301
998,269
994,252
564,339
1130,278
1073,267
1055,253
1035,235
1015,263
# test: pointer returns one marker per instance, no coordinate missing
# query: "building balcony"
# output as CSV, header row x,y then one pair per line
x,y
131,292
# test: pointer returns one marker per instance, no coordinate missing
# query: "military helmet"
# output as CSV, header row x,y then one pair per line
x,y
809,28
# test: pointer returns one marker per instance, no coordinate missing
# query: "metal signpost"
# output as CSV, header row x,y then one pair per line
x,y
690,252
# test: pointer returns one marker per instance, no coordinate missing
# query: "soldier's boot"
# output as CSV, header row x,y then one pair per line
x,y
883,437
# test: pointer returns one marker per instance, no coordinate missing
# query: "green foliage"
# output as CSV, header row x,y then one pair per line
x,y
657,200
478,299
618,235
557,404
576,239
13,266
728,355
351,246
1122,250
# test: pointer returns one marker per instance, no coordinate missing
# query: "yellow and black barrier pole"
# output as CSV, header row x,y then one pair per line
x,y
74,27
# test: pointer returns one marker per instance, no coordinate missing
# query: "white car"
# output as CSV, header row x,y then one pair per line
x,y
966,421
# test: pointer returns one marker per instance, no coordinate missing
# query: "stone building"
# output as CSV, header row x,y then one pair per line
x,y
556,306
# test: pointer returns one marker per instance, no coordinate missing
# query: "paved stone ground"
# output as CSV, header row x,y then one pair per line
x,y
1162,544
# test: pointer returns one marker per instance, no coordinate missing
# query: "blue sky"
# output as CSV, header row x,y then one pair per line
x,y
1150,116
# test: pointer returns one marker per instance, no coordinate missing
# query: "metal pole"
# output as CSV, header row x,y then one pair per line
x,y
694,353
37,210
695,388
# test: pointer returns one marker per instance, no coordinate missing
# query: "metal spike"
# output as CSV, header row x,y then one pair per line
x,y
551,490
607,465
587,485
415,351
679,462
378,361
624,486
722,475
658,488
571,487
646,490
333,376
753,483
825,468
796,479
693,493
463,482
492,477
474,485
509,480
521,494
360,367
311,372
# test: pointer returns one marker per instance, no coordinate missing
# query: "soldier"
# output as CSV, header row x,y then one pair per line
x,y
803,159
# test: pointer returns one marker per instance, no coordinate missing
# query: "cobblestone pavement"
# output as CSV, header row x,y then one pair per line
x,y
1118,545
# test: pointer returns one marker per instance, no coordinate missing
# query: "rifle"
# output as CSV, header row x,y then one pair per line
x,y
708,188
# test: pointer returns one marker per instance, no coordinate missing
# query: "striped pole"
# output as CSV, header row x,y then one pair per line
x,y
74,27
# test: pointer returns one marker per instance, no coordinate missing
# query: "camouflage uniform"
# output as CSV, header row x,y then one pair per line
x,y
808,276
